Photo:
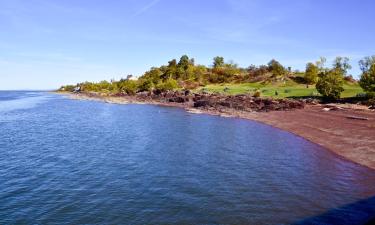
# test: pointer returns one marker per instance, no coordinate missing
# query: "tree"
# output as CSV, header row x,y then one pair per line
x,y
367,81
184,62
154,75
199,73
218,61
311,73
330,84
185,68
276,68
128,86
321,64
366,63
145,85
171,70
342,64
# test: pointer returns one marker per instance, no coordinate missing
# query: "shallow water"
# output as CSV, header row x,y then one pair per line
x,y
85,162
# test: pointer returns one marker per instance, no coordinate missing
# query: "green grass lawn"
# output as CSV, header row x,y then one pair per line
x,y
284,91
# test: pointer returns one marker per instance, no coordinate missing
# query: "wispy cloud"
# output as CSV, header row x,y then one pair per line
x,y
146,8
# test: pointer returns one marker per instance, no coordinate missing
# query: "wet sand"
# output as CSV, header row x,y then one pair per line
x,y
348,132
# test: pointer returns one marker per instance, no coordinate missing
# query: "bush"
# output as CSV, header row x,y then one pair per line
x,y
314,93
361,95
370,95
128,86
167,85
256,94
145,85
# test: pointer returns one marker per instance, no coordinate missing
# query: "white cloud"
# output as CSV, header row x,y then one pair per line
x,y
146,8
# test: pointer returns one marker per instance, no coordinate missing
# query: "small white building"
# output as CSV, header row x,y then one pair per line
x,y
131,77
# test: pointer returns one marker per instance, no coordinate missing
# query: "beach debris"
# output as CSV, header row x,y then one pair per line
x,y
332,107
357,118
194,111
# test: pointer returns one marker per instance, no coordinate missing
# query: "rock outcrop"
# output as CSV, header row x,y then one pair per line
x,y
219,101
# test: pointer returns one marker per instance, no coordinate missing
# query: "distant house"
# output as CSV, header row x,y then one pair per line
x,y
77,89
131,77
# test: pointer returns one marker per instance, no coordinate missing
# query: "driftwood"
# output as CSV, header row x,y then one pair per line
x,y
357,118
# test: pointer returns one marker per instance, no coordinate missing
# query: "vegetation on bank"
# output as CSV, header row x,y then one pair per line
x,y
273,79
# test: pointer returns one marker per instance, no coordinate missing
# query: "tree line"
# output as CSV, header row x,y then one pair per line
x,y
186,74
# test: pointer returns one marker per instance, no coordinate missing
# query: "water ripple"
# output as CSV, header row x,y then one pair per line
x,y
81,162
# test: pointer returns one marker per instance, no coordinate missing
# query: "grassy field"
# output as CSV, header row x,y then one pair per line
x,y
282,91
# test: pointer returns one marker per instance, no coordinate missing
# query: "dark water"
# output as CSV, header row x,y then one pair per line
x,y
80,162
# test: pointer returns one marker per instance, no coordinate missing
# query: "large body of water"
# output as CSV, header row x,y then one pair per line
x,y
84,162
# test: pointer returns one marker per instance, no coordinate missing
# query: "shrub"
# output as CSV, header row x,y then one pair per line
x,y
256,94
361,95
167,85
314,93
145,85
370,95
128,86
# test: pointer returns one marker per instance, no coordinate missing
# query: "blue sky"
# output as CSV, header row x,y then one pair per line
x,y
47,43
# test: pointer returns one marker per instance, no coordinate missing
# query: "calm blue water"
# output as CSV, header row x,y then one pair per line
x,y
81,162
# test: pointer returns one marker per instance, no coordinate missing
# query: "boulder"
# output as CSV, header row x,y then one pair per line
x,y
201,103
177,99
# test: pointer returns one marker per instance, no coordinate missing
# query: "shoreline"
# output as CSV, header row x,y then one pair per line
x,y
346,130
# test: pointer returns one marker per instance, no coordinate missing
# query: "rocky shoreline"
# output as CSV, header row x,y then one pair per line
x,y
331,126
201,101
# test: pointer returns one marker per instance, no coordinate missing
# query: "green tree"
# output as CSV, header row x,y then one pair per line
x,y
145,85
218,61
184,62
330,84
342,64
128,86
199,73
367,81
154,75
276,68
311,73
185,68
171,71
366,63
321,64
